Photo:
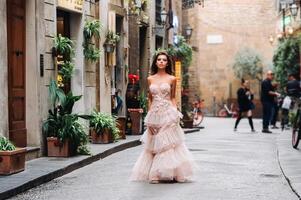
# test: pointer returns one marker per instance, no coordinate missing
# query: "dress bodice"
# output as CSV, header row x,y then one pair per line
x,y
160,92
161,96
162,111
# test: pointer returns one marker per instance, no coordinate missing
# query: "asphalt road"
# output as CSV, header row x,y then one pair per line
x,y
232,166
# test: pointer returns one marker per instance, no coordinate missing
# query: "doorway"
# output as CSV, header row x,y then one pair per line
x,y
16,71
63,28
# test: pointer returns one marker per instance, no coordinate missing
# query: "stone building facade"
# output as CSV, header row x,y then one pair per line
x,y
27,66
220,29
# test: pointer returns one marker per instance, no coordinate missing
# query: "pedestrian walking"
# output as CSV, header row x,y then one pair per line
x,y
267,100
165,156
244,100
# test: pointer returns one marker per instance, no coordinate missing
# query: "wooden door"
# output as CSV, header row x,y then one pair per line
x,y
16,71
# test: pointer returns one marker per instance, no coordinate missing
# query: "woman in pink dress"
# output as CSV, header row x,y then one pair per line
x,y
165,156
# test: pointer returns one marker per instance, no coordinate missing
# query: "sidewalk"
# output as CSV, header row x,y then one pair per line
x,y
290,161
44,169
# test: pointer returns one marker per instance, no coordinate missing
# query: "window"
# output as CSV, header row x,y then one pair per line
x,y
158,11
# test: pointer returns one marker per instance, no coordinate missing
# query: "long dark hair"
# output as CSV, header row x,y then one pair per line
x,y
169,66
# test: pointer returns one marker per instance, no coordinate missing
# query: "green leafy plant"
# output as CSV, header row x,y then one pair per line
x,y
63,46
286,60
6,145
112,38
84,150
91,31
61,123
72,130
101,121
248,63
61,105
181,51
67,70
92,53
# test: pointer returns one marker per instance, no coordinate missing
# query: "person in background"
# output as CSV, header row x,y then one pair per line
x,y
244,99
267,100
292,90
293,86
275,109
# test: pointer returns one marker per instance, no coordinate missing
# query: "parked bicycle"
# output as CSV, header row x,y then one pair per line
x,y
198,115
295,116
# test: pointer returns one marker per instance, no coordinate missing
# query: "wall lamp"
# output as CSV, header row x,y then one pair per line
x,y
163,16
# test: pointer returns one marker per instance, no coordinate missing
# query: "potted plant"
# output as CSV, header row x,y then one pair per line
x,y
111,40
12,159
64,132
103,128
121,125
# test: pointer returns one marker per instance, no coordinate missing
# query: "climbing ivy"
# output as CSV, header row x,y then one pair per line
x,y
286,59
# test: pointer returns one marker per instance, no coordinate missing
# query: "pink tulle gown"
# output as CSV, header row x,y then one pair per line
x,y
165,156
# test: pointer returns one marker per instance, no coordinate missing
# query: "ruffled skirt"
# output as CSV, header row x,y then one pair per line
x,y
165,155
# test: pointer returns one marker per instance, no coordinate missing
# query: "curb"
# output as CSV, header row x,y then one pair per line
x,y
192,130
74,166
65,170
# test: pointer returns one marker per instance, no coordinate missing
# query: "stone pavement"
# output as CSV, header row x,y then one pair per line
x,y
290,161
44,169
232,166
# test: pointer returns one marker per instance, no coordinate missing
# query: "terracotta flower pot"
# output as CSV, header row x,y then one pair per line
x,y
58,149
136,117
121,122
102,138
12,161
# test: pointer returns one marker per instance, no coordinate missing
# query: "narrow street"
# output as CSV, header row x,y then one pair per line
x,y
241,165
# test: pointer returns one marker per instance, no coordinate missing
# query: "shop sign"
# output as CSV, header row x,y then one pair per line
x,y
71,5
215,39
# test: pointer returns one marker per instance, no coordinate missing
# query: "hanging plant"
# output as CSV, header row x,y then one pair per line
x,y
181,51
91,31
63,46
92,28
92,53
67,69
112,38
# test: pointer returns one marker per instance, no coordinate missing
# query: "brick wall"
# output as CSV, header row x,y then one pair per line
x,y
237,23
